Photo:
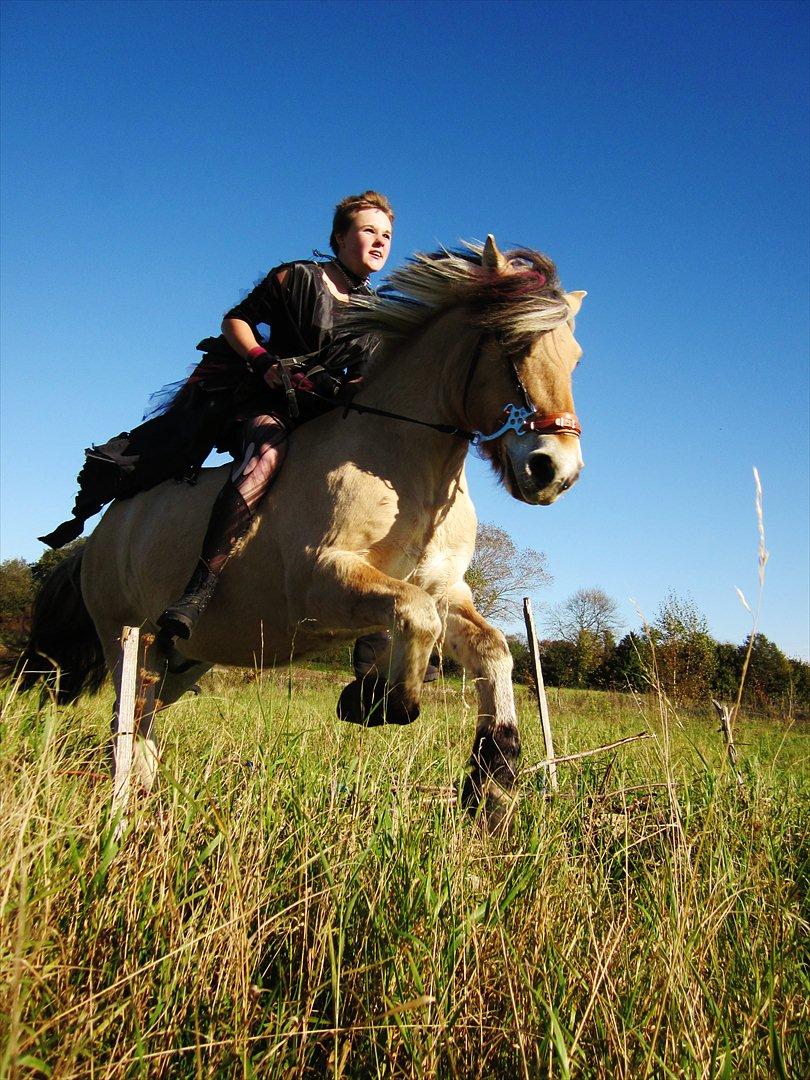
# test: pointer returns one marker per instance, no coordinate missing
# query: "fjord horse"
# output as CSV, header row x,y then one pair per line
x,y
370,525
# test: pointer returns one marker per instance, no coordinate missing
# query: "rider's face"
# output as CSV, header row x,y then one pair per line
x,y
365,245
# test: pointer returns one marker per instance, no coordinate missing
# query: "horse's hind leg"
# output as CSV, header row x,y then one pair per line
x,y
483,651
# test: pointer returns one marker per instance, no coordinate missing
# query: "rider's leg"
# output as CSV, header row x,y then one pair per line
x,y
264,446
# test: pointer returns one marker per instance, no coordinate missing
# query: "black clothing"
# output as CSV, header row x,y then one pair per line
x,y
294,305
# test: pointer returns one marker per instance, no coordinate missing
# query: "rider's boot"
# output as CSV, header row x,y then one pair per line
x,y
180,618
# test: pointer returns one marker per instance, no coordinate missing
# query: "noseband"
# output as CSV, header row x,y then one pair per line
x,y
522,421
519,419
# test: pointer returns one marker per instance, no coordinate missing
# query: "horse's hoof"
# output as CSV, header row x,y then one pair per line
x,y
358,704
398,711
369,702
349,704
490,804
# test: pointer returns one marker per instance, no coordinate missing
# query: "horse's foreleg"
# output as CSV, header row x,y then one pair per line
x,y
347,592
483,651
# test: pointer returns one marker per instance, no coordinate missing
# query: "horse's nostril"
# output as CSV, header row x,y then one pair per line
x,y
542,469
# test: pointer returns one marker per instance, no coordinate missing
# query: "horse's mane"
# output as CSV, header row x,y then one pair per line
x,y
516,304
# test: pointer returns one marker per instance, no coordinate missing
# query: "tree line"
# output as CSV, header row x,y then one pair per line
x,y
675,653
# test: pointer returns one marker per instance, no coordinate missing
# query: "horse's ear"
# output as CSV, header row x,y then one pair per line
x,y
491,258
574,300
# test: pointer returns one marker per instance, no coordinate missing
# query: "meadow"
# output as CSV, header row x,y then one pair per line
x,y
302,898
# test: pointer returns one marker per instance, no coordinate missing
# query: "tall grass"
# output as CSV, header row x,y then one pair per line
x,y
303,898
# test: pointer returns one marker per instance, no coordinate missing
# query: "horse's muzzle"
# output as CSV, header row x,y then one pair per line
x,y
541,475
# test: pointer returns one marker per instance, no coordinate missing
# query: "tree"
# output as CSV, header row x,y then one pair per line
x,y
589,610
587,620
727,671
627,667
500,573
768,679
685,651
521,660
51,558
559,662
16,598
800,678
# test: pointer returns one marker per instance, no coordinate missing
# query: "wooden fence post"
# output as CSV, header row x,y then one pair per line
x,y
124,735
724,713
541,692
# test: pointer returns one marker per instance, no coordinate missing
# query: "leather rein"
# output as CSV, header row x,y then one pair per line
x,y
519,419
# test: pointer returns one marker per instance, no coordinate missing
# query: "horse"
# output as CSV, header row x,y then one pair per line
x,y
370,525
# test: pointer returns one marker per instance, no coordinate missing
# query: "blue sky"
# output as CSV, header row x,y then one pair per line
x,y
159,157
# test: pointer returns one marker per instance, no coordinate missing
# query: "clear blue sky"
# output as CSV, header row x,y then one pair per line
x,y
159,157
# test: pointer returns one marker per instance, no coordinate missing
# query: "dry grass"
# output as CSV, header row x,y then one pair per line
x,y
300,898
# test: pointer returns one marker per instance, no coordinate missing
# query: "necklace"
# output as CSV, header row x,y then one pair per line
x,y
354,281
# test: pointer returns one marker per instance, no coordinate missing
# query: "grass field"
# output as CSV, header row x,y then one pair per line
x,y
303,898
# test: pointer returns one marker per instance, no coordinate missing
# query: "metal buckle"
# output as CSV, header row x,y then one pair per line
x,y
516,418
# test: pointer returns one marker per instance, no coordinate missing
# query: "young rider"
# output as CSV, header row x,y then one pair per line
x,y
240,397
298,302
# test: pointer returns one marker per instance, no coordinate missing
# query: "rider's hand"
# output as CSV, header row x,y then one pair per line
x,y
260,362
300,382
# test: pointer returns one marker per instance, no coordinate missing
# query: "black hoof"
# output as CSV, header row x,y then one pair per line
x,y
487,791
370,703
489,803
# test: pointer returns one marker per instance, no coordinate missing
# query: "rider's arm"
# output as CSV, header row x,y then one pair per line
x,y
242,340
239,336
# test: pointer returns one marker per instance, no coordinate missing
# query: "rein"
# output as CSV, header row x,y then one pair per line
x,y
518,419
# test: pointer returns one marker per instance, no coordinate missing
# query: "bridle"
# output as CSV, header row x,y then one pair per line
x,y
520,419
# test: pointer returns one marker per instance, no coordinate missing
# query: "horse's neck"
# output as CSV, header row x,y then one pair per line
x,y
425,378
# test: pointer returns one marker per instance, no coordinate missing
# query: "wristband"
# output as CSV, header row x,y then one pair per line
x,y
259,360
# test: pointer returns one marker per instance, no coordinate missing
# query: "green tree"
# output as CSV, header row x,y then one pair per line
x,y
500,573
800,680
768,680
16,598
559,662
685,651
627,667
588,620
521,659
727,671
50,558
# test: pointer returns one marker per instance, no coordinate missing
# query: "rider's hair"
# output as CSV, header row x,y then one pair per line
x,y
353,204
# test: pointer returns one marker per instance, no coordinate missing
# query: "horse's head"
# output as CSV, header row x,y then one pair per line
x,y
498,332
523,399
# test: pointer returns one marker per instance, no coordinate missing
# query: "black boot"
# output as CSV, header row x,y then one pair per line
x,y
180,618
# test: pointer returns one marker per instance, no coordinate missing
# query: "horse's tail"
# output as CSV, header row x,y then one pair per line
x,y
64,647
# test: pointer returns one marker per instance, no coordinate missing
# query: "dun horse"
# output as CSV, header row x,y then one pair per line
x,y
370,525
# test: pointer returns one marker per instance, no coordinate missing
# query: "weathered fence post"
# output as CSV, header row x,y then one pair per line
x,y
541,691
124,735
